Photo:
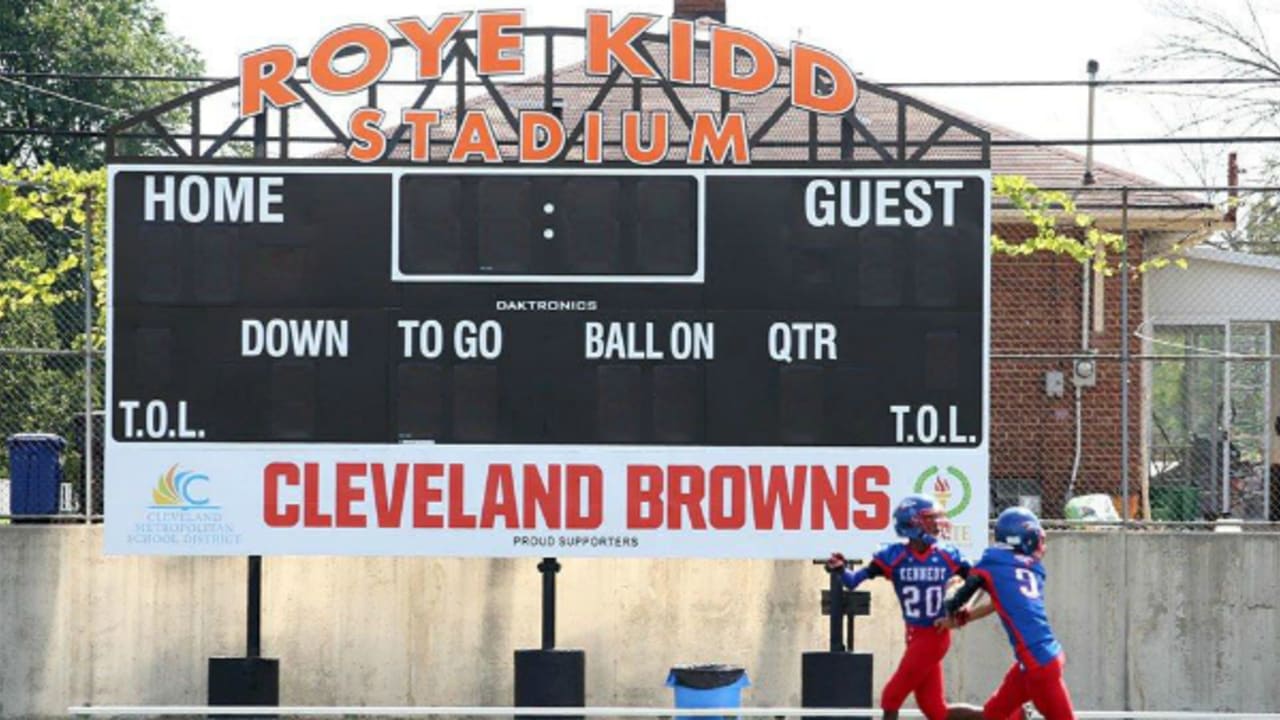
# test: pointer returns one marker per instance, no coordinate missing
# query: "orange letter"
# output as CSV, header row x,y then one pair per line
x,y
367,141
644,497
658,140
725,44
680,51
419,122
428,41
864,477
594,516
348,494
273,513
805,62
593,139
606,43
475,137
377,56
494,43
263,73
424,496
531,151
708,137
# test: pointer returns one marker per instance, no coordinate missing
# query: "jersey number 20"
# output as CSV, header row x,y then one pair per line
x,y
932,601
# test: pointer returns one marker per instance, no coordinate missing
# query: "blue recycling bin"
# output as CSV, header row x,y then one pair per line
x,y
707,686
35,473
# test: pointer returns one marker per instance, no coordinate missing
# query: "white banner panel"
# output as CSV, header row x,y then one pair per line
x,y
170,498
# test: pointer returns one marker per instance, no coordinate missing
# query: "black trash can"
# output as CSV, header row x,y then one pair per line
x,y
707,686
35,474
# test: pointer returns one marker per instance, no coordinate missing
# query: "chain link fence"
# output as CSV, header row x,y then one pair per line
x,y
1192,435
51,379
1153,383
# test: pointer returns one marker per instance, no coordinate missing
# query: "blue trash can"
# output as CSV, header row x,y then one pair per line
x,y
708,686
35,473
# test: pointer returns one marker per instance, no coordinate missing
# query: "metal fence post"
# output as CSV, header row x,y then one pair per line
x,y
1124,422
87,290
1124,357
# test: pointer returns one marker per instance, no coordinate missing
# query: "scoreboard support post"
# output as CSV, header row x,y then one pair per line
x,y
548,677
549,567
253,679
253,608
839,677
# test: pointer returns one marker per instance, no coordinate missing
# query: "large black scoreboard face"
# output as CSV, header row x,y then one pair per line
x,y
577,306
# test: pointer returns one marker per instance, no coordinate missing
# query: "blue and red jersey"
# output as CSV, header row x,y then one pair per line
x,y
1016,583
920,579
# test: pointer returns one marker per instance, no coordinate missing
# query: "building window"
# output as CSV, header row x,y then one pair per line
x,y
1210,439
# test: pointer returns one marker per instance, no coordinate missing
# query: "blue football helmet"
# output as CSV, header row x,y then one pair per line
x,y
917,517
1020,529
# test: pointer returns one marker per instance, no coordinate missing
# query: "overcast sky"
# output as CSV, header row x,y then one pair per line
x,y
887,40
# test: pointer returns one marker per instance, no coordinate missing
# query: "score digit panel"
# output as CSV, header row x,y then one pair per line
x,y
618,317
515,227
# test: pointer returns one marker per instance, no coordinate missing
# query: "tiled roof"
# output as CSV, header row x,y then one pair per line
x,y
1045,166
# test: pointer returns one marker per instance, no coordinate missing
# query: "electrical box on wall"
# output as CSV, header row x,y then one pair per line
x,y
1055,383
1084,372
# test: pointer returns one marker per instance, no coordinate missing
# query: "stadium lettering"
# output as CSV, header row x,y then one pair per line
x,y
572,496
820,83
543,137
294,338
881,203
643,341
733,497
431,496
201,198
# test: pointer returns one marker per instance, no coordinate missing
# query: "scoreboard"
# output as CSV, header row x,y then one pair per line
x,y
280,335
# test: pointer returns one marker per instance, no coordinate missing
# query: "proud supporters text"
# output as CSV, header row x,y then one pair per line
x,y
573,496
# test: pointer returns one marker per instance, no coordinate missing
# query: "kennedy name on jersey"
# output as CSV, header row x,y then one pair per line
x,y
927,573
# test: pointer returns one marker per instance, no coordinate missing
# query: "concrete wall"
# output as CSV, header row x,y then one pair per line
x,y
1201,629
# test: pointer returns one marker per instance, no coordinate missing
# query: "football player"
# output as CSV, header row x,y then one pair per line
x,y
1011,574
919,568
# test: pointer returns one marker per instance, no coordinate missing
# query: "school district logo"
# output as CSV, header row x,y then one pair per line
x,y
943,486
181,514
177,490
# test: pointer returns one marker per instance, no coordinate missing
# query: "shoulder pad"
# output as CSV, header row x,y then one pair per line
x,y
954,553
890,552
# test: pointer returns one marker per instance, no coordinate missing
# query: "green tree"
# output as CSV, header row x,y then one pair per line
x,y
45,214
1062,229
83,37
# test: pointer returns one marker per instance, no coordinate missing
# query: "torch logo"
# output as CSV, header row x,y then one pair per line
x,y
942,491
946,484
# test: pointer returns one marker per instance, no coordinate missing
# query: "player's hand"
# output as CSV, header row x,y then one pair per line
x,y
836,562
958,619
